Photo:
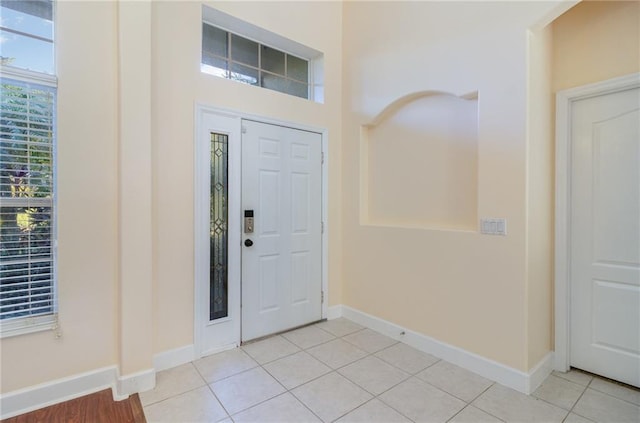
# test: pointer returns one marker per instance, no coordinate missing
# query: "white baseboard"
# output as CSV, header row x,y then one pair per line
x,y
173,358
49,393
43,395
136,382
39,396
505,375
540,372
334,312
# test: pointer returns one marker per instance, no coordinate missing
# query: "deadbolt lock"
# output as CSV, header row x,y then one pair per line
x,y
248,221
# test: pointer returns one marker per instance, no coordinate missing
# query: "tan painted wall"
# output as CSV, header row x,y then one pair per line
x,y
485,294
594,41
87,206
539,197
99,284
438,132
462,288
178,85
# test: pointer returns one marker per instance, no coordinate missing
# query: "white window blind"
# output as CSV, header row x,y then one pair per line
x,y
27,229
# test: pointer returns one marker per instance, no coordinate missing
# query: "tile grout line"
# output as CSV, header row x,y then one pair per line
x,y
261,365
373,354
613,396
173,396
578,400
485,411
208,385
366,355
179,393
584,388
290,391
336,370
594,377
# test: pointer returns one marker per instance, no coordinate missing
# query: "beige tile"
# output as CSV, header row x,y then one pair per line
x,y
575,376
224,364
336,353
559,392
616,390
284,408
603,408
512,406
407,358
422,402
339,327
308,337
270,349
172,382
574,418
244,390
296,369
374,412
199,405
472,414
455,380
369,340
331,396
373,374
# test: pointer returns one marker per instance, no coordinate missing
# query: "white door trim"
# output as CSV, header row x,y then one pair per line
x,y
198,265
564,104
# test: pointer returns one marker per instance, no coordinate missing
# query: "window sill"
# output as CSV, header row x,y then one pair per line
x,y
26,325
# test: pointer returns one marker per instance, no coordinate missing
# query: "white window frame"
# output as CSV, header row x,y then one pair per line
x,y
30,324
267,38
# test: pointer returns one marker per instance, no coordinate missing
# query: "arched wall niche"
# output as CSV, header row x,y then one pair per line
x,y
419,163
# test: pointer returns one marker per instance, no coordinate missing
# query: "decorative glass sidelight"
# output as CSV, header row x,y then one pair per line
x,y
218,226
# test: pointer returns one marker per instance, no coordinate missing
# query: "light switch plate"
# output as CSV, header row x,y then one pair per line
x,y
493,226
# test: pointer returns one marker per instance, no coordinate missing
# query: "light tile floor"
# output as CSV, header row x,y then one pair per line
x,y
339,371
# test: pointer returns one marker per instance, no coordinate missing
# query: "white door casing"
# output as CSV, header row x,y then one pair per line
x,y
282,269
220,334
214,336
598,230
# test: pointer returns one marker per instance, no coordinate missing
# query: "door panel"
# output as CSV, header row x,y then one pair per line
x,y
605,235
281,270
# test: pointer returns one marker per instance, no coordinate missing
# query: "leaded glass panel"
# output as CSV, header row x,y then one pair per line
x,y
218,225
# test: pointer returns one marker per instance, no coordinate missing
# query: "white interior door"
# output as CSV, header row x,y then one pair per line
x,y
281,257
605,236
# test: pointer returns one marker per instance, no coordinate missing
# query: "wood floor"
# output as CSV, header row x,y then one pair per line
x,y
95,408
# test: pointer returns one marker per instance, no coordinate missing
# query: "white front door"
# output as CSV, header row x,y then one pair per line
x,y
605,235
281,253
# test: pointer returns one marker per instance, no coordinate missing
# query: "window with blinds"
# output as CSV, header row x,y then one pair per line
x,y
27,168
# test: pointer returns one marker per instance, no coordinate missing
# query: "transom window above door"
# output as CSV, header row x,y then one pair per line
x,y
260,58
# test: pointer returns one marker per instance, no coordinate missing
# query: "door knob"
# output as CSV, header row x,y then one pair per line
x,y
248,243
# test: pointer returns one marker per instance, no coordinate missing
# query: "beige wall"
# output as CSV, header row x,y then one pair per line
x,y
539,197
460,287
105,150
87,206
489,295
178,86
438,132
594,41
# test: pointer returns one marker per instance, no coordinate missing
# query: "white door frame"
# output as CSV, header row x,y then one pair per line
x,y
564,105
199,170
